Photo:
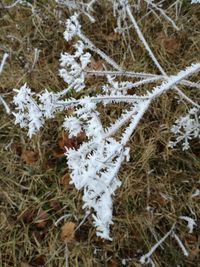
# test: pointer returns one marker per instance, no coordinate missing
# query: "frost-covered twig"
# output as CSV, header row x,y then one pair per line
x,y
151,54
145,258
196,193
155,93
14,4
36,57
141,36
122,73
191,222
99,52
66,255
147,77
162,12
5,56
185,252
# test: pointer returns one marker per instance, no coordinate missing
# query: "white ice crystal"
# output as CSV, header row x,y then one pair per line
x,y
72,66
191,222
186,128
195,2
94,167
72,27
29,114
72,125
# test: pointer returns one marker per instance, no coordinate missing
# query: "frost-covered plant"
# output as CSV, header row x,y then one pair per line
x,y
95,164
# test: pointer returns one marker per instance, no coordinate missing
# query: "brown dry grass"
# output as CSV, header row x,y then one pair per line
x,y
29,186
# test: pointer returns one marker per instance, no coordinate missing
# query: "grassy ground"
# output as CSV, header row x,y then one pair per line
x,y
34,179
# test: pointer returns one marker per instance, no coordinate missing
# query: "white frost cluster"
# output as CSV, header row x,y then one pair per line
x,y
195,2
29,114
72,66
94,167
186,128
191,223
72,27
115,87
32,109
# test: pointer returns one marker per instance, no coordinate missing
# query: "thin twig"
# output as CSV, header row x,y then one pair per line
x,y
13,5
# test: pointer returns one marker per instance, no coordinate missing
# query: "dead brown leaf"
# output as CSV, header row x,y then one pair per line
x,y
67,231
194,254
42,219
26,215
113,37
64,141
65,180
29,156
159,200
169,43
16,149
191,238
40,260
113,263
55,205
97,64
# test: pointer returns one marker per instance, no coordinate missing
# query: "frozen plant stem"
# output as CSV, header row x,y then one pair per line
x,y
66,255
99,52
162,12
13,5
185,252
143,40
122,73
157,91
145,258
147,77
165,86
151,54
5,56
